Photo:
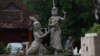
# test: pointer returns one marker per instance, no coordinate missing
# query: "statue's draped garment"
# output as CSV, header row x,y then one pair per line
x,y
55,37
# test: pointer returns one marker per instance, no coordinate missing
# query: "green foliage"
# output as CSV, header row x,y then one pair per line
x,y
7,51
51,50
78,21
95,28
2,48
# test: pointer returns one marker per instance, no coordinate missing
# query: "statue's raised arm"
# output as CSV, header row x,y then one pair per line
x,y
62,18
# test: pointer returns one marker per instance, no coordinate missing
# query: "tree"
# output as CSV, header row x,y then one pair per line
x,y
79,19
95,28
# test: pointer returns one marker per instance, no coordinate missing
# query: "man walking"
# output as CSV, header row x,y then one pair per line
x,y
69,45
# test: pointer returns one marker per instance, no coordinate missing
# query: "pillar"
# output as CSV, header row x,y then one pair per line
x,y
30,36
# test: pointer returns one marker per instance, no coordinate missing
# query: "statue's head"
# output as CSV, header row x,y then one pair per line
x,y
37,25
32,18
54,11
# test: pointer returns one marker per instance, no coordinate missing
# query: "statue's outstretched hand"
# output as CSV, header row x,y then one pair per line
x,y
64,15
64,12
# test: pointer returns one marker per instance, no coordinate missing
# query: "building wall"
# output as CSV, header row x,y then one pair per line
x,y
13,35
87,45
97,46
90,46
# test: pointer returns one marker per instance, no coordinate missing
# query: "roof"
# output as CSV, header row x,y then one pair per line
x,y
14,14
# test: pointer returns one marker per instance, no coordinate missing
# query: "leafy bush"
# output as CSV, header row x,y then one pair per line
x,y
79,17
2,48
95,28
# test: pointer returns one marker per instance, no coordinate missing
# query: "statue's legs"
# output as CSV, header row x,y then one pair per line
x,y
42,50
33,49
57,51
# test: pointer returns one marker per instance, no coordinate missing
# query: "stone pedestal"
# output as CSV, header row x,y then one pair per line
x,y
90,45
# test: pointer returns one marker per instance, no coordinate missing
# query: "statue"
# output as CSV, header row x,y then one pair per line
x,y
36,47
55,38
99,2
97,9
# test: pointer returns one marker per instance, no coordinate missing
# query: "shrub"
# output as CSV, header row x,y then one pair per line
x,y
95,28
2,48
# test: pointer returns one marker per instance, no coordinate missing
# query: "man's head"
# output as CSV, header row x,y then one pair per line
x,y
71,38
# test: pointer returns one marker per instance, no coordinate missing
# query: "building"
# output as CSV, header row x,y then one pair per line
x,y
14,22
90,45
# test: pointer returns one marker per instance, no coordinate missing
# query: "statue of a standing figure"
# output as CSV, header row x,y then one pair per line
x,y
36,47
55,38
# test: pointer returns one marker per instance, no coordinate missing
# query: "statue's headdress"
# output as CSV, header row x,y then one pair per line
x,y
54,8
37,25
